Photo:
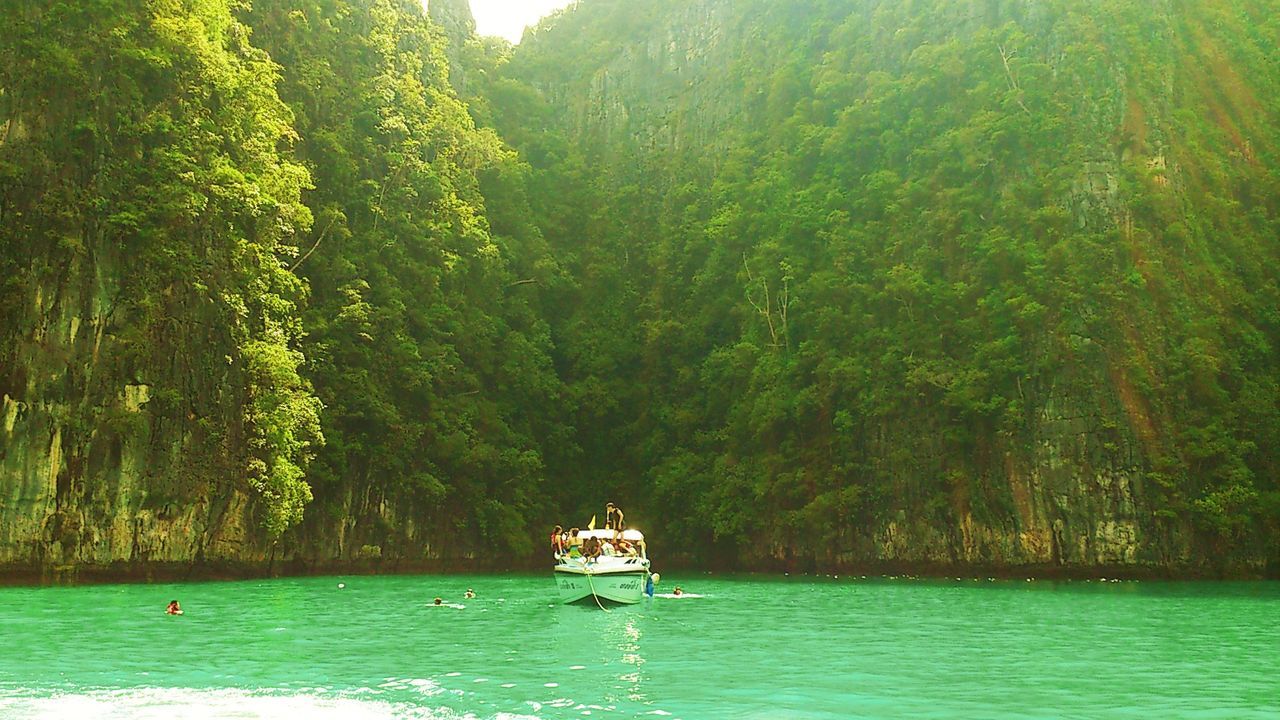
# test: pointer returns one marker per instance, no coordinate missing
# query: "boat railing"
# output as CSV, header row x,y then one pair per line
x,y
604,560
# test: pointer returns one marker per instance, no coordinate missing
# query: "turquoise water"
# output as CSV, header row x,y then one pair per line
x,y
748,648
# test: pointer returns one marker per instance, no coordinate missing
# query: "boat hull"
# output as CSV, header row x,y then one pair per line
x,y
586,586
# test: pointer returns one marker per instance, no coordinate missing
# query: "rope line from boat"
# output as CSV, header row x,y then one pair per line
x,y
587,572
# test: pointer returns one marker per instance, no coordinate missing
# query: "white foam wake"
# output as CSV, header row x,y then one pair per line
x,y
228,704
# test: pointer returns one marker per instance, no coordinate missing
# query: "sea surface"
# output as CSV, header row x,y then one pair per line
x,y
734,647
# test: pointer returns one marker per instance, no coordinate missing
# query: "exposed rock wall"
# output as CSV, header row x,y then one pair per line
x,y
95,470
1075,503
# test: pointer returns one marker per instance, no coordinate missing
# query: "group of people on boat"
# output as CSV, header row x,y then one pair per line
x,y
571,543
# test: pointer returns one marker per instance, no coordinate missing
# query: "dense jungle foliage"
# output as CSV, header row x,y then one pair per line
x,y
425,338
781,278
839,260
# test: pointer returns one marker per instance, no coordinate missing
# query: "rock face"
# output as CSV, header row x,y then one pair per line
x,y
130,319
1073,504
95,470
455,17
459,25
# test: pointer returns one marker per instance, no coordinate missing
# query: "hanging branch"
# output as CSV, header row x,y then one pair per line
x,y
784,302
332,220
767,310
382,194
1013,81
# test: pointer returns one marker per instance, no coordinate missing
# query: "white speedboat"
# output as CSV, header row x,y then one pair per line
x,y
607,579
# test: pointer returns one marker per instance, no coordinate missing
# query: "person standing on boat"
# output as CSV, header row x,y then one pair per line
x,y
613,517
557,541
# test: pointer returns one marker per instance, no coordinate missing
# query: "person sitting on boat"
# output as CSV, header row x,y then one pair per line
x,y
557,541
613,517
173,609
606,548
575,543
591,549
624,548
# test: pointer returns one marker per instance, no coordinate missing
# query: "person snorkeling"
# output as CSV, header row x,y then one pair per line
x,y
650,582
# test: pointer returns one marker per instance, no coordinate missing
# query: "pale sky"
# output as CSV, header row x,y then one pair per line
x,y
508,18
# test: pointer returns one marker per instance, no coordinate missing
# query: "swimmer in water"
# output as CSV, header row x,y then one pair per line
x,y
173,609
469,594
439,601
677,591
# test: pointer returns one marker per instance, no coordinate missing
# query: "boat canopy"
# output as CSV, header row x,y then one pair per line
x,y
630,534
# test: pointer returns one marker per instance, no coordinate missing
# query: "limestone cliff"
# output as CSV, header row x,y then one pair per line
x,y
112,461
459,25
795,116
144,315
960,285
